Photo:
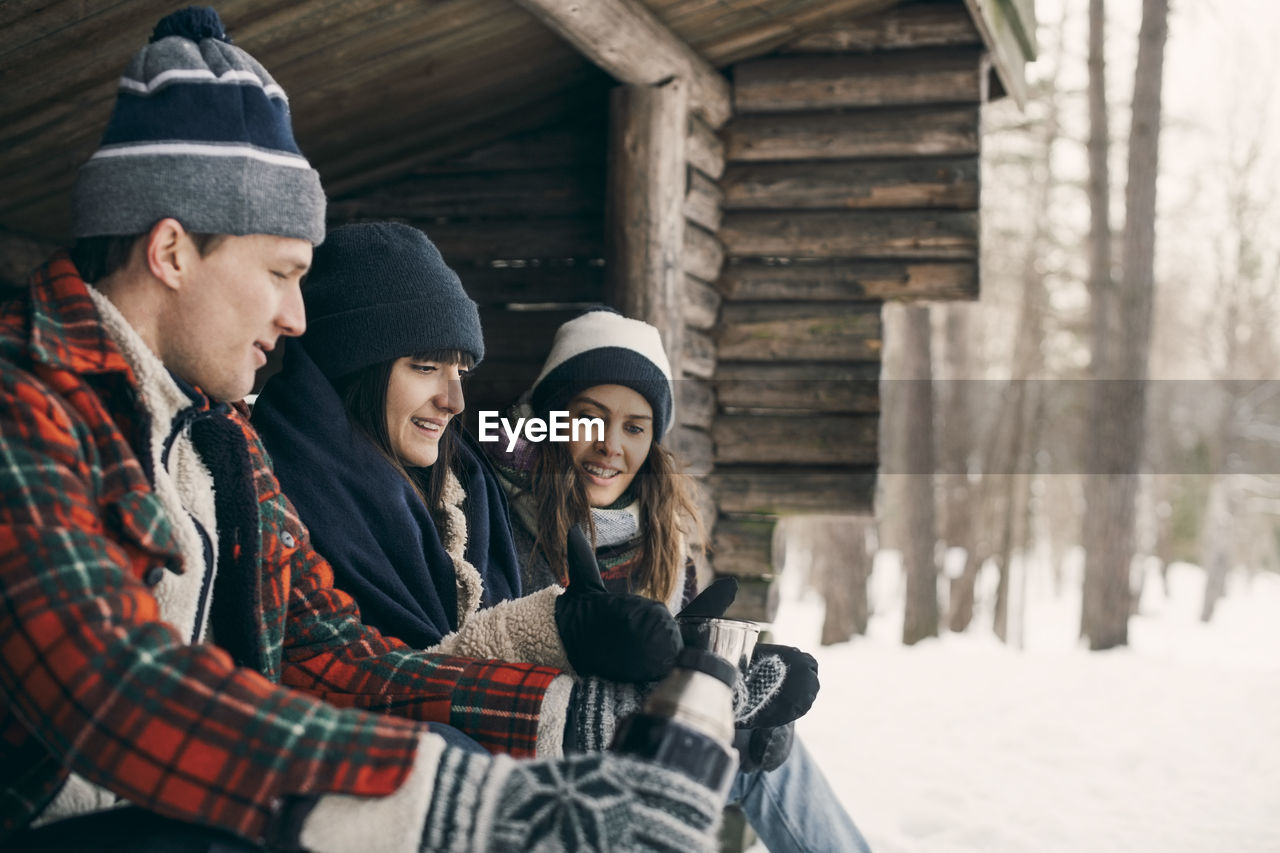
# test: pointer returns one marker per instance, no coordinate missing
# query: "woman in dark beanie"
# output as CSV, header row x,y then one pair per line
x,y
360,425
626,492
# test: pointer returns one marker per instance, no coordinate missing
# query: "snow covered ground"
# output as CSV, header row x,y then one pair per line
x,y
964,744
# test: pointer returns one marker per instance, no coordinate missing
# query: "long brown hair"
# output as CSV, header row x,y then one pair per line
x,y
669,518
364,396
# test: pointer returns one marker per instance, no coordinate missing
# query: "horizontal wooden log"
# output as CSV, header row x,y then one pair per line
x,y
818,332
699,358
701,303
743,545
784,83
911,132
853,281
695,402
703,254
692,448
523,282
703,201
782,491
703,149
517,239
839,440
902,28
580,143
943,183
913,235
757,599
770,387
548,192
513,335
627,40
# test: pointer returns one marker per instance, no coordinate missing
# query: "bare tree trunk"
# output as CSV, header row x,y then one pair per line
x,y
1119,390
955,445
920,619
844,567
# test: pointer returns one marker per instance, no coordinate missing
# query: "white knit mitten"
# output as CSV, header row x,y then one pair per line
x,y
597,802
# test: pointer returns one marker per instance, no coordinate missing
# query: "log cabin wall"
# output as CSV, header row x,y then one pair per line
x,y
851,178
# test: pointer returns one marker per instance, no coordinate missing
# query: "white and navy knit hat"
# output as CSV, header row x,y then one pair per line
x,y
602,347
200,132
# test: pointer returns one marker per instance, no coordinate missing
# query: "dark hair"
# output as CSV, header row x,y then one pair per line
x,y
98,257
668,514
364,396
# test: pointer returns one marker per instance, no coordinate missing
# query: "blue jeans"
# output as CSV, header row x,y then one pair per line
x,y
793,808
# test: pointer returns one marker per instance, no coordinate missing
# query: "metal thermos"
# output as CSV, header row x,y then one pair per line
x,y
686,724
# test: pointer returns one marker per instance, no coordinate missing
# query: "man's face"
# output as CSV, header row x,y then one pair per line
x,y
232,308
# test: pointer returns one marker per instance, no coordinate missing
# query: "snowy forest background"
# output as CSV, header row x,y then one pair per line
x,y
1084,460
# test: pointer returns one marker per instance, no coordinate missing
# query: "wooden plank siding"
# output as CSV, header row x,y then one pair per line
x,y
851,177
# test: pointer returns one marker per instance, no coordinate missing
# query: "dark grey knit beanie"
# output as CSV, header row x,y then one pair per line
x,y
381,290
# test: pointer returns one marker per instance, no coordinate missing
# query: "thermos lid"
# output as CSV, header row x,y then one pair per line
x,y
708,662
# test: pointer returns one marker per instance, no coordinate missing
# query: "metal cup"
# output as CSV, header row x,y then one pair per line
x,y
732,639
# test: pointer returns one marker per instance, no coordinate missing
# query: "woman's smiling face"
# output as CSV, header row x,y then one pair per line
x,y
422,396
609,465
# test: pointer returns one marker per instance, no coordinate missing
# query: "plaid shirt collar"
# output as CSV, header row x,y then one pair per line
x,y
66,329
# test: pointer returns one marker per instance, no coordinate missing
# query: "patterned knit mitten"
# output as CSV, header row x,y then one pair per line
x,y
598,802
780,686
598,707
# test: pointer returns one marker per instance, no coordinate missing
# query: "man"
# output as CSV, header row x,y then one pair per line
x,y
169,641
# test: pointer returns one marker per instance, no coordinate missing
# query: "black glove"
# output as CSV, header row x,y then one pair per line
x,y
713,601
763,749
616,636
780,686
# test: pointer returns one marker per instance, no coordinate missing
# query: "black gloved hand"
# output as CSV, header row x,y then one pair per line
x,y
616,636
713,601
763,749
780,686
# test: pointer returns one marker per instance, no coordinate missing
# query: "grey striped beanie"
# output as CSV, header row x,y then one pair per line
x,y
200,132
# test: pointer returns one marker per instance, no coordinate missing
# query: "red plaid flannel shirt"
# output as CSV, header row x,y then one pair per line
x,y
91,679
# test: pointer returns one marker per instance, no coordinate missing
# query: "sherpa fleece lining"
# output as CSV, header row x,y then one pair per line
x,y
341,823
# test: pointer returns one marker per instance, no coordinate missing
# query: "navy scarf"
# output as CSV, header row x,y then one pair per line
x,y
368,521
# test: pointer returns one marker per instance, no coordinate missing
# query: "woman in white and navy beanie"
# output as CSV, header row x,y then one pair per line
x,y
602,347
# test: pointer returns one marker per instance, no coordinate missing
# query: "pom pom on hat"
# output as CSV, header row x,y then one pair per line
x,y
602,347
194,22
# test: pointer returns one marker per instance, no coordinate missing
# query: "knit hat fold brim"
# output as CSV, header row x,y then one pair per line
x,y
236,194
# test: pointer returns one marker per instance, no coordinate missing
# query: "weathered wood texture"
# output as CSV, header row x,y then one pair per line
x,y
915,235
798,388
701,303
743,544
945,76
805,332
695,402
833,440
881,184
908,27
624,38
779,490
699,355
646,196
703,253
854,281
908,132
703,201
704,148
692,447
